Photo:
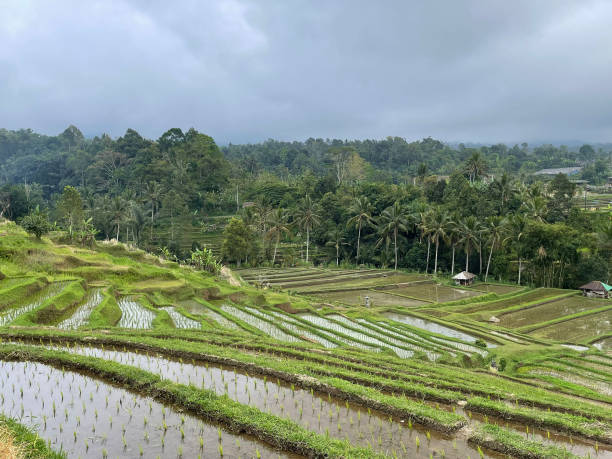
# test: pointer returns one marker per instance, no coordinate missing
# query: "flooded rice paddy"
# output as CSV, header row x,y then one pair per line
x,y
180,321
330,415
434,293
31,302
576,330
321,413
377,298
81,315
134,315
431,326
266,327
87,418
549,311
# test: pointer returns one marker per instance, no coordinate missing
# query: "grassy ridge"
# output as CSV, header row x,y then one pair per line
x,y
107,313
514,444
56,308
29,445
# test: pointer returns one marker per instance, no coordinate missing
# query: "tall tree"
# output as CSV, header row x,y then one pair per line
x,y
494,229
335,239
516,230
70,206
470,237
439,224
153,195
361,211
391,222
277,228
307,217
475,167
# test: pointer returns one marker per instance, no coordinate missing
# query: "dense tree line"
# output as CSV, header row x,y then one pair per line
x,y
422,205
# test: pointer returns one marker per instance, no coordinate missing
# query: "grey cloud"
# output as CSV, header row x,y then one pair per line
x,y
246,70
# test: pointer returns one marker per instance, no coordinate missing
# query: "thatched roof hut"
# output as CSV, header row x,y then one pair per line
x,y
596,288
464,278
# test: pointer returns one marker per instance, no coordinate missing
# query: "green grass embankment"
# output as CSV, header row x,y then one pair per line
x,y
21,440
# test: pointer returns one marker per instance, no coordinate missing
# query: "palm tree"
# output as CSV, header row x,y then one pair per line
x,y
153,195
516,228
138,221
423,225
307,218
336,240
469,231
361,209
263,212
118,210
439,223
392,221
454,236
278,227
536,208
475,166
494,228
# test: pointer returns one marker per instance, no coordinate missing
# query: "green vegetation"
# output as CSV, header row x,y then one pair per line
x,y
406,350
511,443
18,441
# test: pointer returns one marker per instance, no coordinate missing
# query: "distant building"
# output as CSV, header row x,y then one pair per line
x,y
464,278
560,170
596,289
247,204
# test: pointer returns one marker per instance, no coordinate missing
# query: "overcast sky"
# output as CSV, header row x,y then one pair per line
x,y
244,71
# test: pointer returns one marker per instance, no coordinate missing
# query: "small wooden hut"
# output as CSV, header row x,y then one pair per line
x,y
464,278
596,289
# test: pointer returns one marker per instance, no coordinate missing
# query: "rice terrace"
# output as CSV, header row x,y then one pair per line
x,y
108,351
348,229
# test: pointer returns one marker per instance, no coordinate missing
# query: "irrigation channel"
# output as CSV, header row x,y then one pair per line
x,y
326,414
85,417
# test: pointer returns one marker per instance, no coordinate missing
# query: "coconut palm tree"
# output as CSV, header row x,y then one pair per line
x,y
361,209
494,229
438,227
516,228
118,211
475,166
307,218
336,240
424,227
391,222
153,194
278,227
469,231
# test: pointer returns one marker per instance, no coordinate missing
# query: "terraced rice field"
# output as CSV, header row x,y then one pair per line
x,y
134,315
549,311
85,417
81,315
325,414
431,326
167,361
579,329
499,289
435,293
529,297
180,321
30,303
377,298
